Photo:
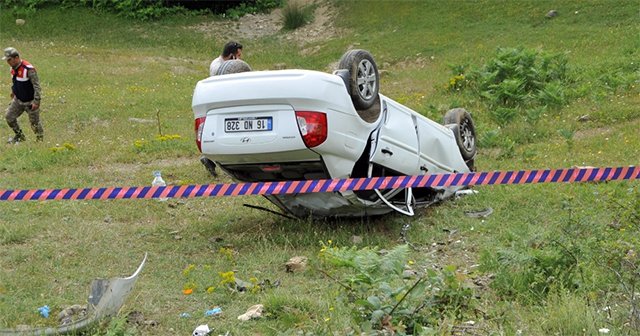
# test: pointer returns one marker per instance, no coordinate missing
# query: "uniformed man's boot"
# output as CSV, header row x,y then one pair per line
x,y
19,137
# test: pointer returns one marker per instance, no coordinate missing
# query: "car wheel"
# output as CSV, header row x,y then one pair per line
x,y
233,66
466,131
364,79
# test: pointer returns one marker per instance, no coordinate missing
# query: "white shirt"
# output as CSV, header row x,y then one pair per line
x,y
215,65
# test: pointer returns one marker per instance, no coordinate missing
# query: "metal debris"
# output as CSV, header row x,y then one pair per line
x,y
484,213
105,299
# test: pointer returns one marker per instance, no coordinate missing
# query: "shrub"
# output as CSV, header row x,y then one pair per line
x,y
517,78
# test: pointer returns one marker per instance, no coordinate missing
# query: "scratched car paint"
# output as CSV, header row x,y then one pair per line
x,y
286,125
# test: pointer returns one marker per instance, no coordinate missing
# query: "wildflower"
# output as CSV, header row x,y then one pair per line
x,y
227,278
187,291
188,269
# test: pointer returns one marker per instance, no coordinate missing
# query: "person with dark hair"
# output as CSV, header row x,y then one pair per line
x,y
25,96
232,50
228,62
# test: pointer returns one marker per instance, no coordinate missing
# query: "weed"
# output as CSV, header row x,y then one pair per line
x,y
490,138
503,115
383,297
567,134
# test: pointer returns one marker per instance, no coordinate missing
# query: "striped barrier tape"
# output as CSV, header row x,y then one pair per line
x,y
569,175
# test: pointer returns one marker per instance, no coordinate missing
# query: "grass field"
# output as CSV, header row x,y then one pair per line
x,y
550,260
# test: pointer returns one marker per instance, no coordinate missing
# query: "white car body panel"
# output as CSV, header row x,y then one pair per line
x,y
398,140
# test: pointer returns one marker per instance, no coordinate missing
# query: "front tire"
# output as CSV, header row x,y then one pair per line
x,y
466,131
364,79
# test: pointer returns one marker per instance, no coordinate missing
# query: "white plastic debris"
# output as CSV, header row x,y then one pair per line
x,y
254,311
603,330
465,192
201,330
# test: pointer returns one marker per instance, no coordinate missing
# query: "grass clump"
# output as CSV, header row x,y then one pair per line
x,y
295,15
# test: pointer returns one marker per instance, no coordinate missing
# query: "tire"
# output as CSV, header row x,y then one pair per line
x,y
364,79
232,66
466,131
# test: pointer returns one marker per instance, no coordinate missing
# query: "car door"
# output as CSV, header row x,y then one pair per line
x,y
395,141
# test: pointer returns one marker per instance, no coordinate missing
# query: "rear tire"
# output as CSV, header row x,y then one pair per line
x,y
364,79
466,131
233,66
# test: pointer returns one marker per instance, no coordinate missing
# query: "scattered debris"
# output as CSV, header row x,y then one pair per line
x,y
137,318
584,118
105,300
552,13
201,330
243,286
216,311
185,315
465,192
44,311
484,213
266,283
254,311
20,22
296,264
67,315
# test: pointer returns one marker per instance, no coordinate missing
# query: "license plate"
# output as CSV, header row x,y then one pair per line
x,y
251,124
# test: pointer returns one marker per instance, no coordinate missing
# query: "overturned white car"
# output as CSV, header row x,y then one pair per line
x,y
284,125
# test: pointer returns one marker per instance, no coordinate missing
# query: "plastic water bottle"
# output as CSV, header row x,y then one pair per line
x,y
158,182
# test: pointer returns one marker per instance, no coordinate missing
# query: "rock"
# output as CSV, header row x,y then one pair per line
x,y
296,264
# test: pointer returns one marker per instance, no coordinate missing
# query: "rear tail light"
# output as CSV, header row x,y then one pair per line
x,y
313,127
199,127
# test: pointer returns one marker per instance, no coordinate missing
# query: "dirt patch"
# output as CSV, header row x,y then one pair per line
x,y
254,26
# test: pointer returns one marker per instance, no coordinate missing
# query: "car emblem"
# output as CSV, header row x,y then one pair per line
x,y
245,139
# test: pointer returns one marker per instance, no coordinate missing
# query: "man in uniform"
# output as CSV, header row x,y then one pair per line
x,y
25,96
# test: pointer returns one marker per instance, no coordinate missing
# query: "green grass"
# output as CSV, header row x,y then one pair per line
x,y
98,71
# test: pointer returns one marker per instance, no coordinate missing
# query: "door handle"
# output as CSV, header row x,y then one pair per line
x,y
386,151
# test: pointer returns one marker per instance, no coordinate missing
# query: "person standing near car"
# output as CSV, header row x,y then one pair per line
x,y
25,96
231,50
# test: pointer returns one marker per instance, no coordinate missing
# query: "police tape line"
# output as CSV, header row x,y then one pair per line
x,y
568,175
